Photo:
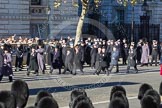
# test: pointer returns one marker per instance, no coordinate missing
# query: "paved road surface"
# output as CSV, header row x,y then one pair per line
x,y
97,87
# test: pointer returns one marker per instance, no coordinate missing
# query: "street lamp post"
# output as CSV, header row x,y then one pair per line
x,y
48,11
133,3
132,26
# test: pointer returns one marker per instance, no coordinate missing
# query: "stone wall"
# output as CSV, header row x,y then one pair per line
x,y
14,17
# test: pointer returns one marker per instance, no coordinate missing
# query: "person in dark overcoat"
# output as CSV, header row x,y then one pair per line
x,y
87,52
108,52
132,59
28,51
154,53
7,66
1,58
64,51
56,60
125,53
102,61
48,52
93,56
19,57
77,60
82,51
69,61
114,59
139,52
33,64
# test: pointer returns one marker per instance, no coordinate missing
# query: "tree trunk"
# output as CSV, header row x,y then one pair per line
x,y
80,24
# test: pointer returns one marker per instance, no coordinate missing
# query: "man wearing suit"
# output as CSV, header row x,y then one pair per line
x,y
77,61
69,61
56,60
19,57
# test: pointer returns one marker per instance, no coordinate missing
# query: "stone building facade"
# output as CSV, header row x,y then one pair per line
x,y
30,18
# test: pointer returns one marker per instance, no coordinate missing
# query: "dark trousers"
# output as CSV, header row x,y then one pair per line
x,y
9,77
68,66
55,66
75,67
124,60
19,61
154,58
135,68
100,68
112,66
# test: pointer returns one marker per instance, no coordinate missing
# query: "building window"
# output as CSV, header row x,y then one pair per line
x,y
35,2
120,15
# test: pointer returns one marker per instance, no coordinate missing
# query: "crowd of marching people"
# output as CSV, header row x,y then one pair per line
x,y
101,55
18,97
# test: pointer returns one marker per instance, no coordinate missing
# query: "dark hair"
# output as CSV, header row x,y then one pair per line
x,y
40,95
149,102
160,88
117,103
80,100
21,92
76,93
8,99
47,102
155,96
121,95
2,105
84,104
142,90
117,88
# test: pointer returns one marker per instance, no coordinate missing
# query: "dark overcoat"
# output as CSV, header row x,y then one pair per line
x,y
132,57
33,65
77,60
56,59
93,55
1,58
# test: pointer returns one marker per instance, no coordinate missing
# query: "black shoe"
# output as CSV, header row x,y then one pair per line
x,y
97,73
63,72
136,71
27,74
117,72
74,73
10,79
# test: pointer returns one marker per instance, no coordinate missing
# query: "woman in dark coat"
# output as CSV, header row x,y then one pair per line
x,y
56,60
33,65
7,67
132,59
